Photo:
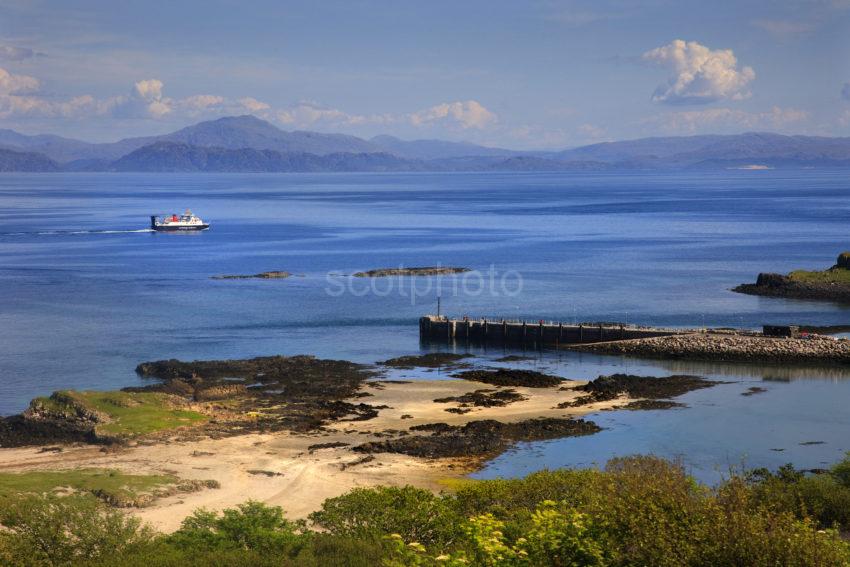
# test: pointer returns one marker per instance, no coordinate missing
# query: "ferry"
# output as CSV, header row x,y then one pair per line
x,y
174,223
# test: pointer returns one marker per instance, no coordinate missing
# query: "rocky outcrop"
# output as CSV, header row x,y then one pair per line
x,y
424,271
731,348
59,418
511,377
817,285
646,389
478,438
260,276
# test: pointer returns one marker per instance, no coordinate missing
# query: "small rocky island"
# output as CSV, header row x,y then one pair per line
x,y
260,276
422,271
832,284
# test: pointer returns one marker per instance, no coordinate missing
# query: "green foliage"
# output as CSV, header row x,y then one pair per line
x,y
825,497
637,511
839,276
107,484
414,513
251,526
43,530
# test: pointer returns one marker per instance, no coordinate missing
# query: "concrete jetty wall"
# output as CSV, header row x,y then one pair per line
x,y
541,333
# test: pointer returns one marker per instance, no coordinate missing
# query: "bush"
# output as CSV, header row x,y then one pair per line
x,y
50,530
416,514
251,526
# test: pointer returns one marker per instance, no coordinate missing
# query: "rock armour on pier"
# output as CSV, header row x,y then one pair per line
x,y
741,348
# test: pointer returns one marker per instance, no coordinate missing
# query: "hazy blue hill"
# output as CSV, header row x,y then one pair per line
x,y
755,145
715,150
55,147
175,157
436,149
11,160
236,132
232,132
250,139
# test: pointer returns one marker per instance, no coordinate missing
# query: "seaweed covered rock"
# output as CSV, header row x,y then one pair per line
x,y
478,438
511,377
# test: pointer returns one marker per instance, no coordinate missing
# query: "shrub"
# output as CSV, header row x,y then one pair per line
x,y
49,530
251,526
416,514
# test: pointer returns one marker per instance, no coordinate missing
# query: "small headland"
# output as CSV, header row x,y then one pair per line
x,y
832,284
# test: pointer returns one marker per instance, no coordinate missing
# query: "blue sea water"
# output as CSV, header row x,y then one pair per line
x,y
86,293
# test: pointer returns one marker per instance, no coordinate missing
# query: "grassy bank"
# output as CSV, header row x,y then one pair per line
x,y
110,485
637,511
118,414
831,276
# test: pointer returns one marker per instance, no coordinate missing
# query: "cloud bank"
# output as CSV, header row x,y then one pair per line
x,y
699,75
20,98
14,53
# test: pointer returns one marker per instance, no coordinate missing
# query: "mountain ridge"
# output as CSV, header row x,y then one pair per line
x,y
247,143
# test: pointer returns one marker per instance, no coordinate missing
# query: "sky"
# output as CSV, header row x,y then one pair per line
x,y
533,74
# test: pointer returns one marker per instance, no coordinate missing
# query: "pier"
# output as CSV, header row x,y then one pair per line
x,y
535,334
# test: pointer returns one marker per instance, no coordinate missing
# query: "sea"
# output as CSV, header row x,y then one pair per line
x,y
87,291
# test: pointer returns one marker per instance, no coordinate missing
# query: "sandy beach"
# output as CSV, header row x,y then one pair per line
x,y
281,470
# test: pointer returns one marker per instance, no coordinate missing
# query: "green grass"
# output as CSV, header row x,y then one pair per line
x,y
839,276
105,483
130,413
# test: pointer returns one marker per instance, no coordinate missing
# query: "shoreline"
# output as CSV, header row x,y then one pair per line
x,y
280,468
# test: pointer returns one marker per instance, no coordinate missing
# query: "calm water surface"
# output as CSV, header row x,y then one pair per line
x,y
85,298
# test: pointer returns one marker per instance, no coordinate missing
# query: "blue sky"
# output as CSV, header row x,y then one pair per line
x,y
534,74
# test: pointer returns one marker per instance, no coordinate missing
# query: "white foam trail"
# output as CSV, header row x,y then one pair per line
x,y
74,232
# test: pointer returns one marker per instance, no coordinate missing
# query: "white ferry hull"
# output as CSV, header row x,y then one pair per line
x,y
177,228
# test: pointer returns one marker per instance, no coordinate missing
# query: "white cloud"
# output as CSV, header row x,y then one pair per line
x,y
149,89
307,114
699,75
845,91
717,120
17,84
466,114
144,101
785,28
198,104
30,106
13,53
253,105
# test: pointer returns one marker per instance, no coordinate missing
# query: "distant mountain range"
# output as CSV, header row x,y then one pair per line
x,y
248,144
